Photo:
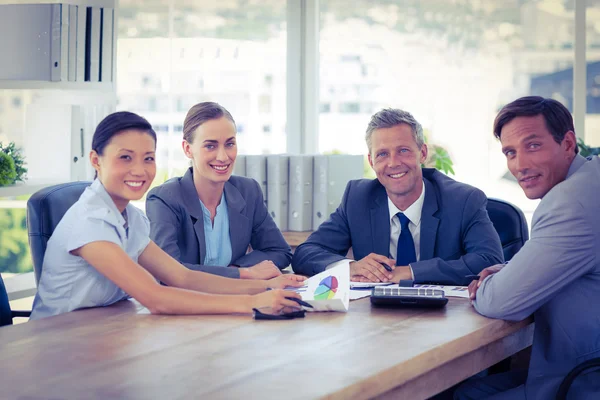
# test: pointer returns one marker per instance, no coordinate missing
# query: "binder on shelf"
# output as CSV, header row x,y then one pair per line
x,y
331,175
59,43
239,168
81,43
93,44
256,168
72,68
26,26
106,45
300,196
277,189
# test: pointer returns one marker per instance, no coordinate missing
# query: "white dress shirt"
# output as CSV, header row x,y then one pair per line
x,y
413,213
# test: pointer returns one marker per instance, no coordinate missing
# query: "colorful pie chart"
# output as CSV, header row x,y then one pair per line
x,y
327,288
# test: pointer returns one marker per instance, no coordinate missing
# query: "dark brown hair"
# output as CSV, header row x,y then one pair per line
x,y
201,113
558,119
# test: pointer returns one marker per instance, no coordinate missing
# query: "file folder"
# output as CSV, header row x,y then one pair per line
x,y
239,168
106,45
300,193
277,189
80,67
72,68
256,168
331,175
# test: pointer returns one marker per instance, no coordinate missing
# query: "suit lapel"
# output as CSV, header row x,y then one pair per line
x,y
380,222
193,207
429,223
238,222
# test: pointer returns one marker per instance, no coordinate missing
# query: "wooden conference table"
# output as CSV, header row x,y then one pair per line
x,y
124,352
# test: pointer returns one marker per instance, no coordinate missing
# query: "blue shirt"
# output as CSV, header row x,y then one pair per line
x,y
68,282
216,236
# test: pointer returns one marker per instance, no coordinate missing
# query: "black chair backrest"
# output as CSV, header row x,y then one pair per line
x,y
565,385
511,225
45,209
5,312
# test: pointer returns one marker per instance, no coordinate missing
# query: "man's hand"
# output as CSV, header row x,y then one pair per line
x,y
474,285
401,273
370,269
262,270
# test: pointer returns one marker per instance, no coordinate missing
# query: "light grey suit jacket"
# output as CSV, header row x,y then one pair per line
x,y
176,225
556,277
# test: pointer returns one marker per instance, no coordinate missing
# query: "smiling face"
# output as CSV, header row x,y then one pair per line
x,y
126,166
534,157
396,159
213,150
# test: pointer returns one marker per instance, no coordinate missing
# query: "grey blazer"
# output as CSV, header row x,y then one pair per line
x,y
176,225
556,277
457,236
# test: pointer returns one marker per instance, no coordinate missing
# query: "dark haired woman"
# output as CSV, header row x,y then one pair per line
x,y
207,218
101,253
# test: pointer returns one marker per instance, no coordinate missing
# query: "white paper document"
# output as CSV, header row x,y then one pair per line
x,y
359,294
362,285
327,291
449,291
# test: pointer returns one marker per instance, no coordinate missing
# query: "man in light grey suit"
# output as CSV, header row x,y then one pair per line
x,y
556,275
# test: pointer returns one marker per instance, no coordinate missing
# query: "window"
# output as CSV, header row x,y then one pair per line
x,y
451,64
232,53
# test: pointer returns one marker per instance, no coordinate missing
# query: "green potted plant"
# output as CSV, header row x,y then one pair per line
x,y
586,150
12,165
8,173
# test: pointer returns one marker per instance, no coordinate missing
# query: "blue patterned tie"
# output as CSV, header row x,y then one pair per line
x,y
406,245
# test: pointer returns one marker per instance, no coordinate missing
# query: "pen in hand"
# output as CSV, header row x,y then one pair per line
x,y
472,277
387,267
301,302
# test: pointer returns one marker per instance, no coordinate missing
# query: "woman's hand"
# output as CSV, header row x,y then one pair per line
x,y
286,280
276,301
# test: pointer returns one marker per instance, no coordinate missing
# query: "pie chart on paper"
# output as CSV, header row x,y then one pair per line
x,y
327,288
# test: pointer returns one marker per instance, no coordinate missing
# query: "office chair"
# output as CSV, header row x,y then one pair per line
x,y
6,314
564,387
511,225
45,209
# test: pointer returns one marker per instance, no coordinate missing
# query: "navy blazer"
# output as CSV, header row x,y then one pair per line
x,y
177,225
457,236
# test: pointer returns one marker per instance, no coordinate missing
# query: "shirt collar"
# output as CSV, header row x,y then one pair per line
x,y
115,215
413,212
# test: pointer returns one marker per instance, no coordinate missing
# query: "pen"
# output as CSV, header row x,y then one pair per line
x,y
387,267
472,277
301,302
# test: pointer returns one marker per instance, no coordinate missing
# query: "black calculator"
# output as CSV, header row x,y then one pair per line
x,y
395,296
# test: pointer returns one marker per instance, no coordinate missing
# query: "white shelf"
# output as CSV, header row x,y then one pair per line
x,y
22,188
36,85
87,3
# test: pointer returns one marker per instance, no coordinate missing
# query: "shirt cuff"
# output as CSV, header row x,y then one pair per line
x,y
412,274
335,264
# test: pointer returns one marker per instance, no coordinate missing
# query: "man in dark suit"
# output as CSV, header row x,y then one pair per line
x,y
420,223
